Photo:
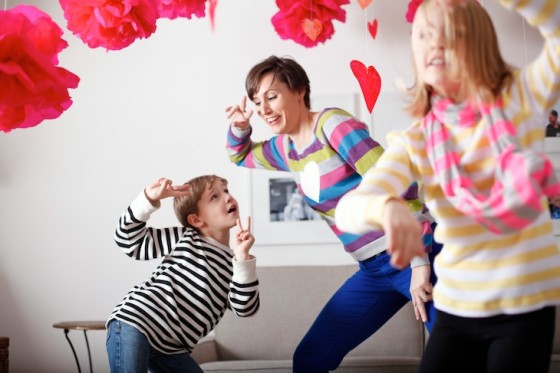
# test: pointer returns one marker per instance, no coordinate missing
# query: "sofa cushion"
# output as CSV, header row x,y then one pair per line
x,y
291,298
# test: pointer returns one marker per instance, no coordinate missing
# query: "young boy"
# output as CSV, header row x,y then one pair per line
x,y
159,322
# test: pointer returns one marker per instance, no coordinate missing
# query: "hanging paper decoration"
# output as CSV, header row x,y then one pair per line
x,y
364,3
111,24
372,28
370,82
212,11
32,87
182,8
411,11
308,22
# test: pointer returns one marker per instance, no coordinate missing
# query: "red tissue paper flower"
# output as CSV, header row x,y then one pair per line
x,y
308,22
112,24
182,8
32,87
411,11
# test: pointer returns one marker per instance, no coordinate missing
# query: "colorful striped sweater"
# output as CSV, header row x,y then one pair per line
x,y
189,292
340,152
480,273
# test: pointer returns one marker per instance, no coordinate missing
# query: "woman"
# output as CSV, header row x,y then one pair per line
x,y
327,153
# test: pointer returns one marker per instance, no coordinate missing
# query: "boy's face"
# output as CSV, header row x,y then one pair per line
x,y
217,209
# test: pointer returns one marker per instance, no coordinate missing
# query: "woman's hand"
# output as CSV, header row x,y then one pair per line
x,y
421,290
239,115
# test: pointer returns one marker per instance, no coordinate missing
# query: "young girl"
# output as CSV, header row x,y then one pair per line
x,y
478,151
327,152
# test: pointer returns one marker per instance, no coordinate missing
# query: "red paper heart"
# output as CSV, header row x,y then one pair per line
x,y
364,3
370,82
312,28
372,27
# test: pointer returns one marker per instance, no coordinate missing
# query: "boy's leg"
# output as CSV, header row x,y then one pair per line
x,y
127,348
173,363
357,310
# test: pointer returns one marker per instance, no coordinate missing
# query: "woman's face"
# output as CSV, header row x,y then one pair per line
x,y
278,106
431,57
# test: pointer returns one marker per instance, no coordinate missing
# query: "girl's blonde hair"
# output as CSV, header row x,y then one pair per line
x,y
186,205
473,53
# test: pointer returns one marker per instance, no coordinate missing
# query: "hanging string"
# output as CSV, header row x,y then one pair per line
x,y
366,34
524,41
5,5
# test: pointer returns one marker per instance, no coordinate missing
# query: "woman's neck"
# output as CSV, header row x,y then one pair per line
x,y
305,130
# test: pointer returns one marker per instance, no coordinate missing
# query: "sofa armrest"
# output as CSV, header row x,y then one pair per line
x,y
205,350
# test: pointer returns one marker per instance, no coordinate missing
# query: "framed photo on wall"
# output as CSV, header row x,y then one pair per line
x,y
280,216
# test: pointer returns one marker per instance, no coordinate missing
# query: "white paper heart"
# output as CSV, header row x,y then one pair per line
x,y
311,181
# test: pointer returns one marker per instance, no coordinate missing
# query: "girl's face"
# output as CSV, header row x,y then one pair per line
x,y
278,106
431,52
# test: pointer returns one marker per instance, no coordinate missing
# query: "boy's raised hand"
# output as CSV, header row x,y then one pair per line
x,y
238,115
163,188
243,241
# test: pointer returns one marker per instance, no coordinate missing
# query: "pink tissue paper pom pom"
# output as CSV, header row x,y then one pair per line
x,y
411,11
182,8
33,88
112,24
289,20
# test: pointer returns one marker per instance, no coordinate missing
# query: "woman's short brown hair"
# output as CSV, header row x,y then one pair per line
x,y
472,40
284,69
186,205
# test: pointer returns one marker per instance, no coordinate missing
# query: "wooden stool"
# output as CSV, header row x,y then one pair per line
x,y
80,325
4,354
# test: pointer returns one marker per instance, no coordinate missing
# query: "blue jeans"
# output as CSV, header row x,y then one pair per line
x,y
361,306
130,352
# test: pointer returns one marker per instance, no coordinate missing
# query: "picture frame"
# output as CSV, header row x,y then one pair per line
x,y
268,223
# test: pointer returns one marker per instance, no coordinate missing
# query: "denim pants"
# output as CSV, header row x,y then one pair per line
x,y
361,306
130,352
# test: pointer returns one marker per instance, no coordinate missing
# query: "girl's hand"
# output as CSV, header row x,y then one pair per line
x,y
163,188
238,115
243,241
403,232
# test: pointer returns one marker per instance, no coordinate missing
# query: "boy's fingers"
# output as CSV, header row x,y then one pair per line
x,y
238,224
248,223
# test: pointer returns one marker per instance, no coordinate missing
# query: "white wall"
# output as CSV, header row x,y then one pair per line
x,y
156,109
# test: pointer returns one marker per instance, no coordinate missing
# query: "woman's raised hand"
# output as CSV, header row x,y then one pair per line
x,y
239,115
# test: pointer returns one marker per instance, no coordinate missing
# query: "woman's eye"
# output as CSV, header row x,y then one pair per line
x,y
271,97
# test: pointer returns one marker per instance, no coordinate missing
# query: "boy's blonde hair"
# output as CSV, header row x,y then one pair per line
x,y
471,39
187,205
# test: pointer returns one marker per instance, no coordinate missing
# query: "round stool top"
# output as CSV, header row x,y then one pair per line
x,y
80,325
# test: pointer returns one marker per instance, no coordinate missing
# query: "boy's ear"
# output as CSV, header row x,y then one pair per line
x,y
194,220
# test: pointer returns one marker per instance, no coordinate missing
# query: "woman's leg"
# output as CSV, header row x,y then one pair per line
x,y
127,348
357,310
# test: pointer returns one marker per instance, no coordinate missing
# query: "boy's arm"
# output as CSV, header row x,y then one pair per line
x,y
135,238
244,292
243,296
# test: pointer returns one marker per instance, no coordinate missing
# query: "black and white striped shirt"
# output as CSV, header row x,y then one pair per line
x,y
189,292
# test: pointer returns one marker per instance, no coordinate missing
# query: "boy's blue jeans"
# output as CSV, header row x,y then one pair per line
x,y
130,352
357,310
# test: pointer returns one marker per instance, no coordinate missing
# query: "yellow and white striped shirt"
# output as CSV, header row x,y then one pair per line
x,y
480,273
